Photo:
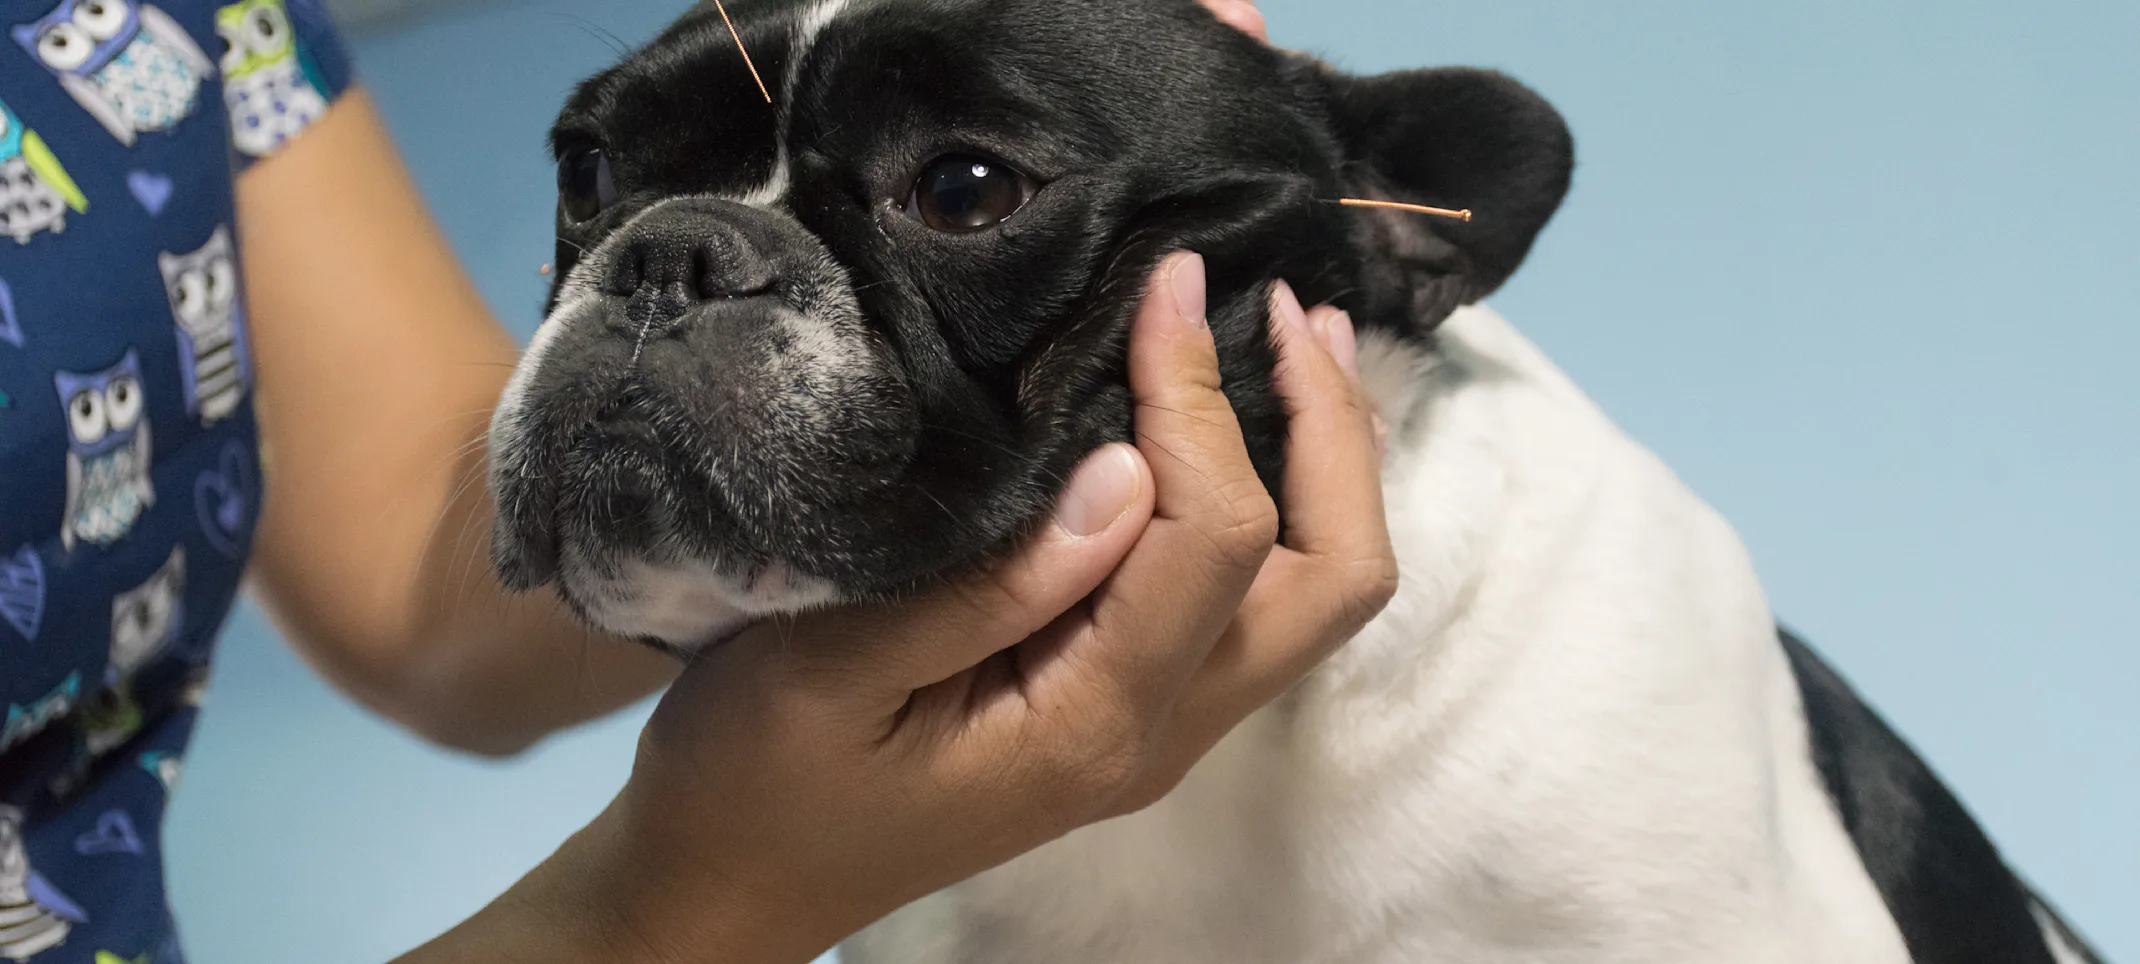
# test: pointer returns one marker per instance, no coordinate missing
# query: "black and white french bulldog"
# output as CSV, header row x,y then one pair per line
x,y
841,345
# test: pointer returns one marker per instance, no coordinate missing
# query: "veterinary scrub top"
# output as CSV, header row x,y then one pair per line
x,y
129,476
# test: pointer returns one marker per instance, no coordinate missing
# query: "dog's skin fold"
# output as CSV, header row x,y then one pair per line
x,y
850,344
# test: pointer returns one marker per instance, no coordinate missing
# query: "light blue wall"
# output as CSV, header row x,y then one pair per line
x,y
1864,273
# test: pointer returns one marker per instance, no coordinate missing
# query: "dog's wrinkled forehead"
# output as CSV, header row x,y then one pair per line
x,y
863,89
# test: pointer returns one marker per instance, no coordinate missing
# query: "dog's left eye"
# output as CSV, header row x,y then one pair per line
x,y
585,184
962,194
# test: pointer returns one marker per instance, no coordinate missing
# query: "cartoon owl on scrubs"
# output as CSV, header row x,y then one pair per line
x,y
27,927
108,484
129,64
145,621
35,191
270,95
203,289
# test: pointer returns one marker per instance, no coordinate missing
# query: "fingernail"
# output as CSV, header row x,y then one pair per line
x,y
1382,434
1186,276
1344,347
1286,305
1244,17
1100,492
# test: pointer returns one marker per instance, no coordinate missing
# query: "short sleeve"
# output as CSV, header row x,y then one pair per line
x,y
273,99
319,48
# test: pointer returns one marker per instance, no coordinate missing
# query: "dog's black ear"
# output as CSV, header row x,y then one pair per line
x,y
1450,138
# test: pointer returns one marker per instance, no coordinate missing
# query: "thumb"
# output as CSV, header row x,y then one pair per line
x,y
923,641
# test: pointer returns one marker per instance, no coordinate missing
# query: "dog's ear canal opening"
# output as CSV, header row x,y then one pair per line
x,y
1453,138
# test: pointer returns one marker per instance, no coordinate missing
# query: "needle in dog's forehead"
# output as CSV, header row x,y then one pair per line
x,y
745,51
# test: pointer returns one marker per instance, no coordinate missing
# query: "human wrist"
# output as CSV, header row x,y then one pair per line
x,y
666,904
607,897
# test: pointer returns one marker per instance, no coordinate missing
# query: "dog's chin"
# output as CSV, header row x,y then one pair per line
x,y
685,604
635,559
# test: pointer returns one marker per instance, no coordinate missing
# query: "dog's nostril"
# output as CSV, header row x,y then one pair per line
x,y
721,273
680,258
691,263
627,271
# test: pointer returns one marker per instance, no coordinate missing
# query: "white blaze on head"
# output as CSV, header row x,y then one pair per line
x,y
774,191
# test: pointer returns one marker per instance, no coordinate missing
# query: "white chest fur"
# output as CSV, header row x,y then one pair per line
x,y
1571,737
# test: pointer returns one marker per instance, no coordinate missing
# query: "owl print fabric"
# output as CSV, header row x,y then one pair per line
x,y
270,88
129,471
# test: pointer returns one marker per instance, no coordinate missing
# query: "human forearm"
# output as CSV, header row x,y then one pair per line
x,y
378,365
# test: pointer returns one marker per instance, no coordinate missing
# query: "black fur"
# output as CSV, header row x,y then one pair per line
x,y
1951,894
1150,126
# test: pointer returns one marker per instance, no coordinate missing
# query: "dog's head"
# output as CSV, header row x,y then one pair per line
x,y
835,346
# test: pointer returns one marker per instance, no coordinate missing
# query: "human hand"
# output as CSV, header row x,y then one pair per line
x,y
808,777
1240,14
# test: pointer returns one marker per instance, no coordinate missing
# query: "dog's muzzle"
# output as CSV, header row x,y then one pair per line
x,y
691,424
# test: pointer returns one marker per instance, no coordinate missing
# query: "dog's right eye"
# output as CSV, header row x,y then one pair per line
x,y
962,194
584,183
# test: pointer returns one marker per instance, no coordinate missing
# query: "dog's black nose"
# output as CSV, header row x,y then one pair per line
x,y
680,256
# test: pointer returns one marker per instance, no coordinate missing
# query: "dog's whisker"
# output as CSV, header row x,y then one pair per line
x,y
460,539
939,503
472,414
1177,457
976,437
598,32
1213,423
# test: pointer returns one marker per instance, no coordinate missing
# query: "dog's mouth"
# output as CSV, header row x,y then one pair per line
x,y
646,543
626,423
625,483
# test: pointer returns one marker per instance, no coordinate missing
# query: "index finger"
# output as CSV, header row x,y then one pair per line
x,y
1156,618
1185,424
1242,15
1333,468
1336,569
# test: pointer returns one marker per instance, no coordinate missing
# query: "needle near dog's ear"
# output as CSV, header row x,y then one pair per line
x,y
745,51
1354,202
